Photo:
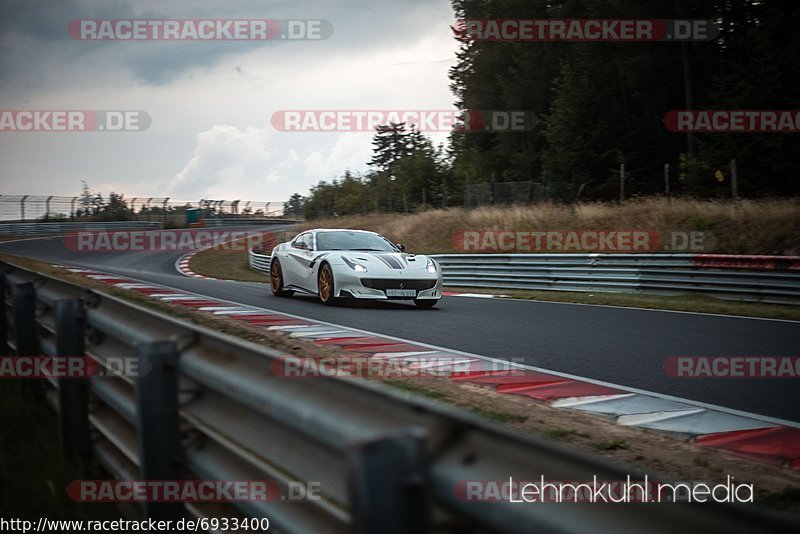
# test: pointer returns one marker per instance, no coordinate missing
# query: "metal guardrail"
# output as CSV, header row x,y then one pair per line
x,y
748,278
769,279
239,221
258,260
65,227
209,407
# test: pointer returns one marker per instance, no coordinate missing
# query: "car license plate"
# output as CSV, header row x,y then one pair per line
x,y
401,292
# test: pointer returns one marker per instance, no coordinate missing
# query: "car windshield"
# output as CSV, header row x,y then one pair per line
x,y
353,241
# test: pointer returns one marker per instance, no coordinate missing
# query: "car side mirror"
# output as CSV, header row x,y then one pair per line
x,y
401,246
301,246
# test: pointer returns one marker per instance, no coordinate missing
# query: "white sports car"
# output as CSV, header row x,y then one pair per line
x,y
335,264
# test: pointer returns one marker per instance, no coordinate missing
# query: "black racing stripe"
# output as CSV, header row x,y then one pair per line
x,y
390,261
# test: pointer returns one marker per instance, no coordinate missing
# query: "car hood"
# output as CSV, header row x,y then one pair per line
x,y
377,262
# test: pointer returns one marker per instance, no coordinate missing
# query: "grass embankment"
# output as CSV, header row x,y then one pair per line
x,y
749,227
233,264
226,266
33,470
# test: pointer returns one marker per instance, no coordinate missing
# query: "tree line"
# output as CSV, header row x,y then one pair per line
x,y
598,105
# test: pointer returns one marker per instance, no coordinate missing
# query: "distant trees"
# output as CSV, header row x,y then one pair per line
x,y
407,173
600,104
93,206
292,208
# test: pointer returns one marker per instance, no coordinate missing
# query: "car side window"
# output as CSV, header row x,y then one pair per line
x,y
303,239
298,240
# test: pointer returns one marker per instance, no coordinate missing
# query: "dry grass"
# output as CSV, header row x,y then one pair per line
x,y
749,227
226,266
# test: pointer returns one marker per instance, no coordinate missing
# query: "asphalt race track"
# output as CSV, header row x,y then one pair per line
x,y
618,345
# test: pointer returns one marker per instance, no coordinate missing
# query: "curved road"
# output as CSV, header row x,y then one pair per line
x,y
618,345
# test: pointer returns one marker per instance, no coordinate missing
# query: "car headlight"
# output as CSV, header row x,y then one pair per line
x,y
431,266
357,267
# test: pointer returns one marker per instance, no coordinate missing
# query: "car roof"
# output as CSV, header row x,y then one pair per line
x,y
340,230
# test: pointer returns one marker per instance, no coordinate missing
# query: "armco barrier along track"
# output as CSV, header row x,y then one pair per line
x,y
65,227
769,279
385,462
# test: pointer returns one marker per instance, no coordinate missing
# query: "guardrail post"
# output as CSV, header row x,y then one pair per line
x,y
158,422
23,309
4,348
388,480
73,392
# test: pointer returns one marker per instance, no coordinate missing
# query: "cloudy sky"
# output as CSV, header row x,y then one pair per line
x,y
211,102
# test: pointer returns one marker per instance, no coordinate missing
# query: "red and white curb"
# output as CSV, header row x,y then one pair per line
x,y
182,266
474,295
768,439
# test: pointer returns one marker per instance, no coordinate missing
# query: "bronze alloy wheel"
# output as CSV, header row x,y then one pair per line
x,y
276,280
326,288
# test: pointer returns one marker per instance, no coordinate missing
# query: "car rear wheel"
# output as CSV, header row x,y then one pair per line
x,y
325,285
276,280
426,303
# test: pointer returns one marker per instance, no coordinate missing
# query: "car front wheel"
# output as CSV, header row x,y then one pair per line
x,y
276,280
325,285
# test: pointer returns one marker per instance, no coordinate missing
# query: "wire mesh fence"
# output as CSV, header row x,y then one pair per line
x,y
487,193
55,208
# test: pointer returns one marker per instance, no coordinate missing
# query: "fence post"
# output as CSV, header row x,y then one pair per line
x,y
73,391
4,349
23,309
621,182
158,423
666,180
388,480
22,208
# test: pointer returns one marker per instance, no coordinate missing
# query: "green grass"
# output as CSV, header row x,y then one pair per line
x,y
416,390
560,433
612,445
226,265
500,417
783,500
33,472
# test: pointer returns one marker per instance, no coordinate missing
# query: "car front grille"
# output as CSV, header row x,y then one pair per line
x,y
393,283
